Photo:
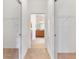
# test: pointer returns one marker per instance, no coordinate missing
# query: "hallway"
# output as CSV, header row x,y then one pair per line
x,y
37,53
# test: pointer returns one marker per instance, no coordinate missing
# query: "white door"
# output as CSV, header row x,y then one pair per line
x,y
38,7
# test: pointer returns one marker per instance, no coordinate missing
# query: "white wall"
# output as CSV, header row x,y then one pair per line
x,y
11,23
65,25
50,28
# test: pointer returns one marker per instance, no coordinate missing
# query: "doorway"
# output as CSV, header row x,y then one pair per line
x,y
39,15
38,30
